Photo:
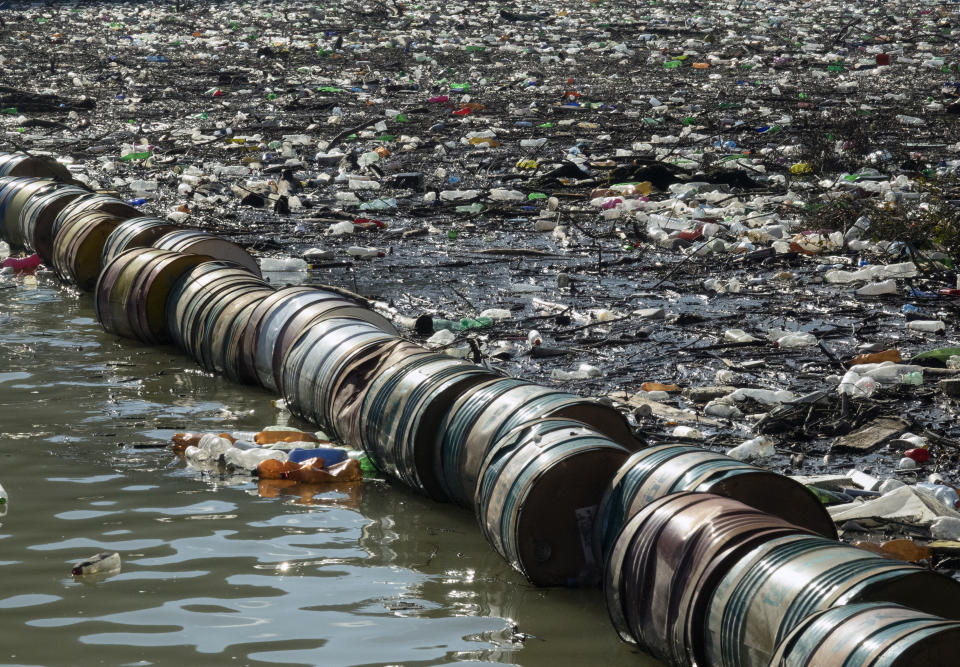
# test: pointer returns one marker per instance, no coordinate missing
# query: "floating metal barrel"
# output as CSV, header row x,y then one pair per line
x,y
14,194
539,487
352,381
657,471
133,291
872,634
768,592
138,232
201,243
402,411
665,564
78,245
311,366
204,298
38,215
39,166
489,411
222,350
93,202
286,315
189,285
210,345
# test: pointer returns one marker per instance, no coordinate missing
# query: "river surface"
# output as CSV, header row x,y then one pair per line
x,y
225,571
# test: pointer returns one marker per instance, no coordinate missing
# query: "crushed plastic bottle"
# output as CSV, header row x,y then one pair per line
x,y
754,449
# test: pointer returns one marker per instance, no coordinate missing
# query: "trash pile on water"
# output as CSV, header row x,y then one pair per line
x,y
737,224
704,558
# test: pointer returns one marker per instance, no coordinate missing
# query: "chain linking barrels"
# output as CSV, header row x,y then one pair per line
x,y
657,471
133,290
14,194
285,316
666,561
870,634
402,410
38,215
138,232
40,166
769,591
487,412
311,366
539,487
78,245
200,243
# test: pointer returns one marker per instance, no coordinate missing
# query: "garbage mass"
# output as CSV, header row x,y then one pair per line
x,y
737,225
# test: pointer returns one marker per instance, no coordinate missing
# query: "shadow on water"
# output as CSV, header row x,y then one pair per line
x,y
228,571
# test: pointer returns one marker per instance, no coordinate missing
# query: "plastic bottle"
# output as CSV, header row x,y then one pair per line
x,y
945,494
496,314
946,528
360,251
929,326
756,448
687,432
876,289
4,501
583,372
892,354
282,264
458,195
797,339
330,455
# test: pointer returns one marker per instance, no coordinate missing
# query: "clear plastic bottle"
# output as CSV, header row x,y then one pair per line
x,y
929,326
756,448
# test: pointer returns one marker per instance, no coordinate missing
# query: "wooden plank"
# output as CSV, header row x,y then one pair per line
x,y
869,437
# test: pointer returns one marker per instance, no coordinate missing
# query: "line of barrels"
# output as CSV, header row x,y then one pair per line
x,y
703,559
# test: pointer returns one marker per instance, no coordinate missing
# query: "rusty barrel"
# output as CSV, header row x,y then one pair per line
x,y
78,245
200,243
539,487
14,195
38,215
138,232
871,634
132,292
668,558
402,410
201,292
657,471
770,590
39,166
310,368
283,318
351,382
488,411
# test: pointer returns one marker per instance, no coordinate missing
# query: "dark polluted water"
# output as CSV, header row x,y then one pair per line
x,y
226,571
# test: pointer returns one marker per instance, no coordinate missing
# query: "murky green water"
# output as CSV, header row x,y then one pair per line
x,y
226,572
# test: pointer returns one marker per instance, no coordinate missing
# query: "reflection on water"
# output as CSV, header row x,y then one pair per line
x,y
227,571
